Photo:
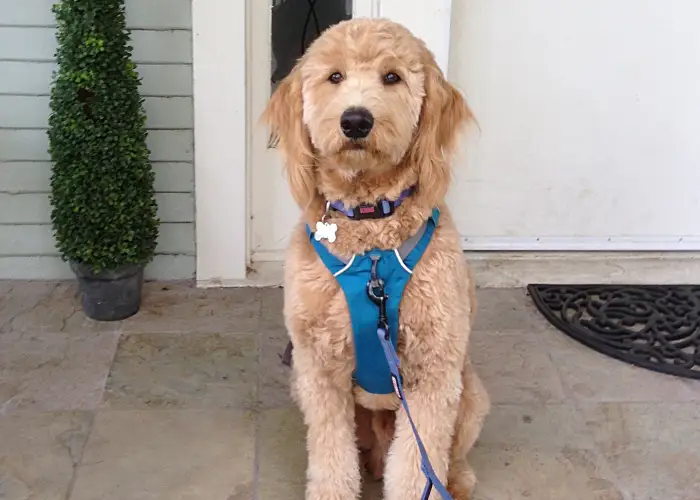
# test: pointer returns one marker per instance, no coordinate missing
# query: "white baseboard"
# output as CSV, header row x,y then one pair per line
x,y
518,269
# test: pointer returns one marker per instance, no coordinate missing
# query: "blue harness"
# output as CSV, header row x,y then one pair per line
x,y
371,369
373,285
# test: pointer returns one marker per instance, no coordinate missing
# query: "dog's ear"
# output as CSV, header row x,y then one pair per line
x,y
443,114
284,117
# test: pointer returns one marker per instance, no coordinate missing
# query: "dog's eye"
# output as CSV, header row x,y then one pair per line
x,y
336,77
391,78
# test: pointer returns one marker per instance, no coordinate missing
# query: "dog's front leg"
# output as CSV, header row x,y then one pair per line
x,y
326,400
433,404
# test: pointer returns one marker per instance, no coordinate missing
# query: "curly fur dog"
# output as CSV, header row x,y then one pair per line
x,y
412,118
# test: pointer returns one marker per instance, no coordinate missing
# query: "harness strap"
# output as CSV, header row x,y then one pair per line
x,y
407,246
393,359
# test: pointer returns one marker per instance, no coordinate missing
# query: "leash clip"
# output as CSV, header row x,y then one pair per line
x,y
376,293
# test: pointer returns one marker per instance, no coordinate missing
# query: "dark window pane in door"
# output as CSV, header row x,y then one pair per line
x,y
297,23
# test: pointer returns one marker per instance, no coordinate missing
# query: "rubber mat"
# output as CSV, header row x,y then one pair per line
x,y
653,326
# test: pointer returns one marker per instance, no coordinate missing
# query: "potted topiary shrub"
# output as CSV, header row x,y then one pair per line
x,y
102,184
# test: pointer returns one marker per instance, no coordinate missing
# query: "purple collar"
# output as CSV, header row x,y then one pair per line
x,y
383,208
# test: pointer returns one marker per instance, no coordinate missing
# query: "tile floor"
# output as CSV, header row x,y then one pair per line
x,y
188,400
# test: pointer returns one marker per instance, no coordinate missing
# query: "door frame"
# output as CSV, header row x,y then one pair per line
x,y
221,41
219,57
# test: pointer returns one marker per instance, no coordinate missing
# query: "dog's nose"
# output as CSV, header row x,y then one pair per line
x,y
356,123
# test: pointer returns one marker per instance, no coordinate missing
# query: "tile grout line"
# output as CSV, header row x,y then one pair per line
x,y
257,444
256,458
71,485
76,465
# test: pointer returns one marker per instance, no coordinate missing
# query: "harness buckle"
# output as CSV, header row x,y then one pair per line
x,y
375,286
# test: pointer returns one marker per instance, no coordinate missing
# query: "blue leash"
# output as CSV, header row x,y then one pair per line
x,y
375,291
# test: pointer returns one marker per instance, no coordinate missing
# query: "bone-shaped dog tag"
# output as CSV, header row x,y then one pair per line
x,y
326,231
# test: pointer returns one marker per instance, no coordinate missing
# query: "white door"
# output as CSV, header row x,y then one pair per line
x,y
279,29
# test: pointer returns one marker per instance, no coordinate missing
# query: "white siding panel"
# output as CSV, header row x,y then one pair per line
x,y
165,79
34,268
176,239
22,77
27,43
163,267
171,145
33,112
34,78
174,177
32,145
25,145
34,208
175,207
159,14
139,13
171,267
27,13
24,209
162,46
24,111
28,240
39,44
169,112
23,177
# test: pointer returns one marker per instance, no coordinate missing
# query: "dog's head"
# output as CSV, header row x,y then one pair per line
x,y
367,96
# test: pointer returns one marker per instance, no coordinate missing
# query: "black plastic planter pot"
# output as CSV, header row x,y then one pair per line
x,y
109,295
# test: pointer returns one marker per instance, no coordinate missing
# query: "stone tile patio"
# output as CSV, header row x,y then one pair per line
x,y
188,400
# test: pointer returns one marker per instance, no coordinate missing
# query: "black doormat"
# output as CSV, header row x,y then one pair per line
x,y
652,326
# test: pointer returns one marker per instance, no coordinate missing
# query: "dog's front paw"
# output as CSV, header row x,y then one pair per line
x,y
461,481
458,493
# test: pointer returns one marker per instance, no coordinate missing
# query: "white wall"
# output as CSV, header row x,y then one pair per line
x,y
589,113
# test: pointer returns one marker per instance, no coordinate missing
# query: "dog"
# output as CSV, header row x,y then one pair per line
x,y
365,120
